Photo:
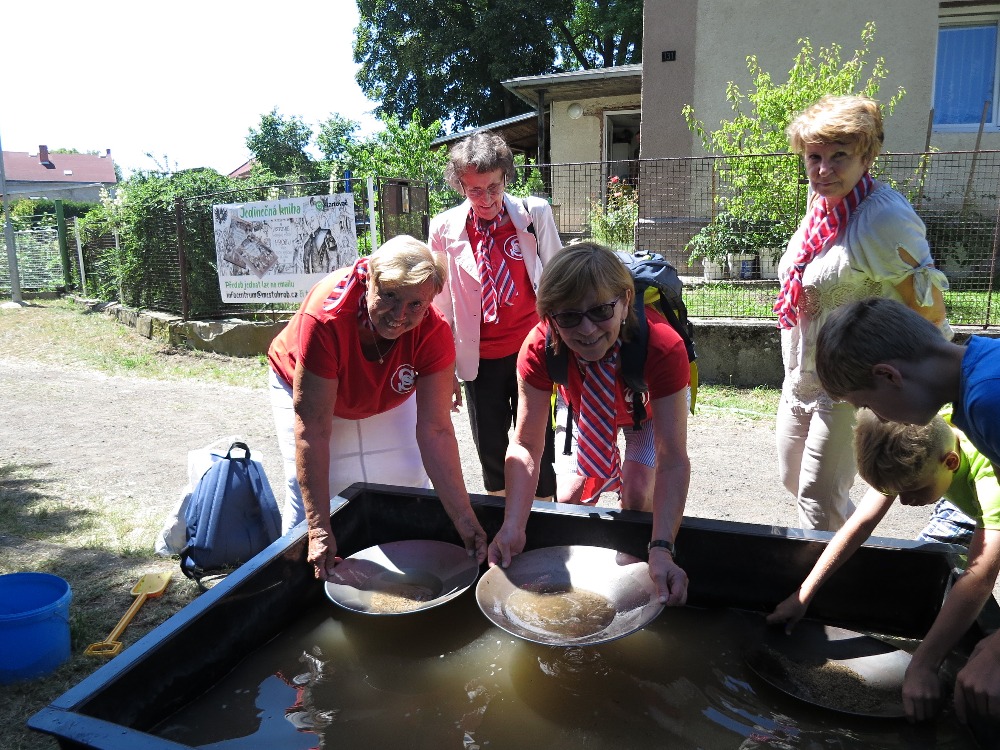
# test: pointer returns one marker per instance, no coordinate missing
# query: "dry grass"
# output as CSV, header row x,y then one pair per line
x,y
88,542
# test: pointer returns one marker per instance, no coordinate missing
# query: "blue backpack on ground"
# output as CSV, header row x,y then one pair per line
x,y
231,516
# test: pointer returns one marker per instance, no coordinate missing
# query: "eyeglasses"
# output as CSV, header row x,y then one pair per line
x,y
492,190
596,314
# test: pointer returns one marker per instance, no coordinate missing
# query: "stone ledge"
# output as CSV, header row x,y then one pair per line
x,y
231,336
731,351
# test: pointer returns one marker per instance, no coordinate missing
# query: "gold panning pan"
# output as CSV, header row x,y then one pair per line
x,y
399,578
569,596
834,668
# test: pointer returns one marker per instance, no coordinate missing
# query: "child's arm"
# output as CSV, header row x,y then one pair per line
x,y
977,689
872,509
921,686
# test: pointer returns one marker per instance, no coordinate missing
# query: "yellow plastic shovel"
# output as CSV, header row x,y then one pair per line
x,y
149,585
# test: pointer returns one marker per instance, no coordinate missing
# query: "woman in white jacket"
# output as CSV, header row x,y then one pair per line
x,y
496,245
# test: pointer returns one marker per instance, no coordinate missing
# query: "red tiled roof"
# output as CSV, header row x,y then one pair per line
x,y
20,166
243,170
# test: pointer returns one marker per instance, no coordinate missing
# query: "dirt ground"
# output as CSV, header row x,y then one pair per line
x,y
127,439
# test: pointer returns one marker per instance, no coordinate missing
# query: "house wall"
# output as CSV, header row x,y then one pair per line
x,y
667,86
713,38
575,141
580,141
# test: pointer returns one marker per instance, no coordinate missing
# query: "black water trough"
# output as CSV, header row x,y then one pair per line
x,y
891,587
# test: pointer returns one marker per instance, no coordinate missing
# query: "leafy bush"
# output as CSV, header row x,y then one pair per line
x,y
763,190
612,221
142,270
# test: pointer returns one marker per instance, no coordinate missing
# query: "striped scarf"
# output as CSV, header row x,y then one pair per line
x,y
358,274
823,225
497,289
597,442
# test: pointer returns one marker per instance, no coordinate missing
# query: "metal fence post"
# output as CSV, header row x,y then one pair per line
x,y
63,244
181,257
371,213
79,255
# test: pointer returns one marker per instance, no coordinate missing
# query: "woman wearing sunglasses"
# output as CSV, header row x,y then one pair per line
x,y
585,300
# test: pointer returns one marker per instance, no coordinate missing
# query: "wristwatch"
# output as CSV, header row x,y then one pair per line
x,y
668,546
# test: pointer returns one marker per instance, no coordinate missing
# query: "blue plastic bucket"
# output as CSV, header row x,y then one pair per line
x,y
34,625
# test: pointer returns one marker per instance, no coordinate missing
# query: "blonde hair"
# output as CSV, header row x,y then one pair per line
x,y
577,269
839,119
892,457
406,261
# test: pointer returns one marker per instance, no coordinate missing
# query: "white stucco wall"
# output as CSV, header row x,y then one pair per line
x,y
724,32
729,31
582,140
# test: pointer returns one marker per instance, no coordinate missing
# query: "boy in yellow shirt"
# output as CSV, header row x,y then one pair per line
x,y
919,464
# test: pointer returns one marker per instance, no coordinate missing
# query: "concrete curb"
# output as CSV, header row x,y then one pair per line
x,y
738,352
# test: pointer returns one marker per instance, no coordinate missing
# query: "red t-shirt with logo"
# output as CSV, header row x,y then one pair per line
x,y
667,368
328,344
504,337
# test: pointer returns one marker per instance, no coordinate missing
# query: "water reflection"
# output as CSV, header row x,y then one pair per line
x,y
447,678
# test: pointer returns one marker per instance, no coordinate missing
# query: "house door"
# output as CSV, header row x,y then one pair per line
x,y
621,144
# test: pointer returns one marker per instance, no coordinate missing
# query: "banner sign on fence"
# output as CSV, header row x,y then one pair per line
x,y
275,251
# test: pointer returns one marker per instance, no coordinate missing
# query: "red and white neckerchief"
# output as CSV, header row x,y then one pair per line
x,y
597,442
497,289
358,275
823,225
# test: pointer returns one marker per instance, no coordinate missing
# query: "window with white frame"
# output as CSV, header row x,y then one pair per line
x,y
966,76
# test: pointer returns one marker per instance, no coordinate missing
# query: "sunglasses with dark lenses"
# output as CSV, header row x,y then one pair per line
x,y
597,314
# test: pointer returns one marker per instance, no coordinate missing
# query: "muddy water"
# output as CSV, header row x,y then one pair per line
x,y
446,678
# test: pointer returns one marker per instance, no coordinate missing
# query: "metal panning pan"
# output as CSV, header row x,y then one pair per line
x,y
569,596
834,668
402,577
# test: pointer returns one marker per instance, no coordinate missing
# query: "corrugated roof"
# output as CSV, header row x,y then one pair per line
x,y
528,117
577,84
22,166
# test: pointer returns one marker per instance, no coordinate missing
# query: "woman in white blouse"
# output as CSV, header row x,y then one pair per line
x,y
859,238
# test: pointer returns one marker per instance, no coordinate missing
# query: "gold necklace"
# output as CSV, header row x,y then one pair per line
x,y
381,357
376,337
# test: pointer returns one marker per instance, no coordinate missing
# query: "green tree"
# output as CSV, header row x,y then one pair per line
x,y
447,59
279,147
142,206
764,191
336,133
601,33
401,150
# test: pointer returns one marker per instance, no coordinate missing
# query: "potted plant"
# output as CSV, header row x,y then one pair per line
x,y
711,245
769,239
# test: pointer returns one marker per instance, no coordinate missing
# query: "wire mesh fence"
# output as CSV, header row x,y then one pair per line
x,y
39,261
725,221
722,221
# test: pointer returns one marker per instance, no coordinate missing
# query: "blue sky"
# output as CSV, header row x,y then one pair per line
x,y
183,81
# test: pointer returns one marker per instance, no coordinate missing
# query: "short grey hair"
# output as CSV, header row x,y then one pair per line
x,y
484,151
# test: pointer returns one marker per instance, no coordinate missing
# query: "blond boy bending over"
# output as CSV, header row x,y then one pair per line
x,y
919,464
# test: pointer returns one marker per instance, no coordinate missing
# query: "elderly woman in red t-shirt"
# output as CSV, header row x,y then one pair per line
x,y
585,299
363,367
495,245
